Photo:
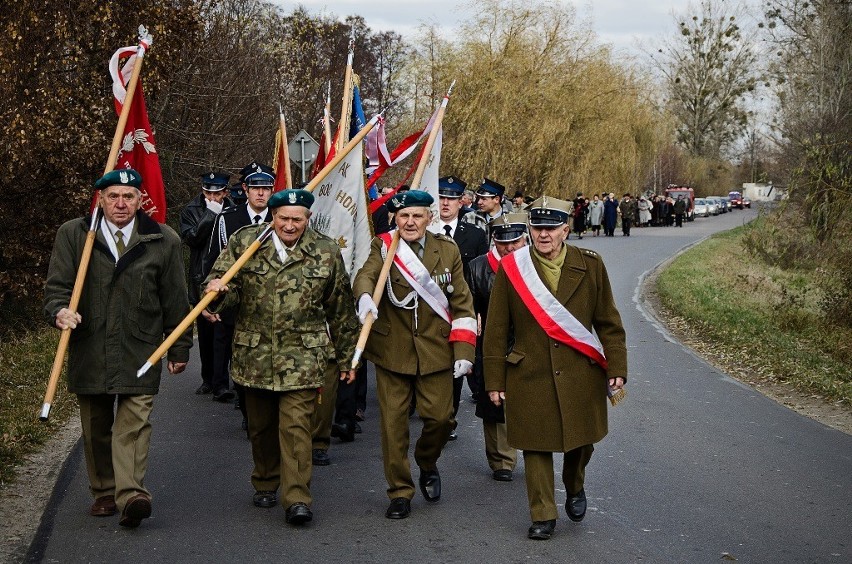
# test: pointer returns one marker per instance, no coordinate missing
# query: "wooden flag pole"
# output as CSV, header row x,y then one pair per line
x,y
282,125
346,108
247,254
430,142
64,338
377,297
378,291
326,122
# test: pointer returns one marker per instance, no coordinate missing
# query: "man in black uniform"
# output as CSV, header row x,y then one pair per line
x,y
509,232
196,224
471,242
489,200
258,181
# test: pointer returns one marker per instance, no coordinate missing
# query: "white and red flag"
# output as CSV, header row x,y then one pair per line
x,y
138,147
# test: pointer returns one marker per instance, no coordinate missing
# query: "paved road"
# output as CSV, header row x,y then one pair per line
x,y
696,466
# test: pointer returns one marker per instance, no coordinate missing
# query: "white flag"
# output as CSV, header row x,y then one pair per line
x,y
340,210
429,182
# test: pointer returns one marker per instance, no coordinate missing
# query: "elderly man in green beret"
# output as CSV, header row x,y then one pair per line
x,y
134,294
423,337
293,301
542,359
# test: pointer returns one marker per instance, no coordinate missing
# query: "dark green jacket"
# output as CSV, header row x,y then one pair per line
x,y
127,307
286,311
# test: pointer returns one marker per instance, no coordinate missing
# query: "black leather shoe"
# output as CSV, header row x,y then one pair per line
x,y
343,431
265,499
203,389
453,435
430,485
399,508
298,514
576,506
224,395
320,457
541,530
502,475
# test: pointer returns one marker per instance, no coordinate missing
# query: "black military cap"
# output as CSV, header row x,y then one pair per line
x,y
214,181
252,168
451,187
490,188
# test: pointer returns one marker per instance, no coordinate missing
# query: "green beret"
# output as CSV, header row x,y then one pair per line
x,y
410,199
297,197
122,177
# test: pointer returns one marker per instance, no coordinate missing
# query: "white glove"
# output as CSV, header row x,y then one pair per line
x,y
462,367
366,305
214,206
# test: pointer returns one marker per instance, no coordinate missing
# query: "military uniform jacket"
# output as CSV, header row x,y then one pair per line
x,y
472,242
127,307
227,223
196,225
285,311
555,396
395,343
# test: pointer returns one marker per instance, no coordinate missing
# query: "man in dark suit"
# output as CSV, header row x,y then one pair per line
x,y
257,182
423,336
472,242
197,220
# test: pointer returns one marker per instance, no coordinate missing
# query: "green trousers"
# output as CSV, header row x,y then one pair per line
x,y
279,425
539,475
116,437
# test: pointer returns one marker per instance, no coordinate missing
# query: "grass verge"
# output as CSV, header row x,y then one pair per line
x,y
25,364
759,322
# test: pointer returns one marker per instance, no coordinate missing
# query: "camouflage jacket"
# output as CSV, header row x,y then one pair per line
x,y
289,316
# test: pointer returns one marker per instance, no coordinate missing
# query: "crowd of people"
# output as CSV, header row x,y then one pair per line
x,y
487,291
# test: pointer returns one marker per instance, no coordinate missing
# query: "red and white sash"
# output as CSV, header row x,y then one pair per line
x,y
493,259
551,315
419,278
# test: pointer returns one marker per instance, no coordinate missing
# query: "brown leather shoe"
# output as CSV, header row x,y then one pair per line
x,y
104,506
137,508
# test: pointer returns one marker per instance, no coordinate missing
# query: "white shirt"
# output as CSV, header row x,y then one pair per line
x,y
108,229
439,226
252,213
281,248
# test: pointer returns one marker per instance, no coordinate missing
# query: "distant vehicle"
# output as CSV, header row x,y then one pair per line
x,y
736,199
724,205
702,207
713,205
746,203
673,191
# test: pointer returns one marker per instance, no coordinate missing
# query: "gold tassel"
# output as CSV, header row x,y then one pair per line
x,y
616,397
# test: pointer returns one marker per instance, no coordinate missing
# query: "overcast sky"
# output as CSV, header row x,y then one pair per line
x,y
619,22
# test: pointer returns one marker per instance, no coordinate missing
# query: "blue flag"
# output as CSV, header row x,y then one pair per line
x,y
358,119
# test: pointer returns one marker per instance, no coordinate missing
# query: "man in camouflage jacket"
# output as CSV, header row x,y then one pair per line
x,y
292,300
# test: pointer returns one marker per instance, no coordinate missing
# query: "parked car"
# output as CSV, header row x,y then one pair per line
x,y
713,206
702,208
724,205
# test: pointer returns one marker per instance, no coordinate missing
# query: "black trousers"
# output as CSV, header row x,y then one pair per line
x,y
214,346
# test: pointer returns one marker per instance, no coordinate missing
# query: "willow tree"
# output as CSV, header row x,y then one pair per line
x,y
709,66
539,106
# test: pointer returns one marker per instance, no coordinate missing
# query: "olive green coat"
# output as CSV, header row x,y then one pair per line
x,y
285,311
555,396
127,307
395,344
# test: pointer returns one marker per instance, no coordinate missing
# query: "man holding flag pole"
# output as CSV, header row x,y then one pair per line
x,y
128,291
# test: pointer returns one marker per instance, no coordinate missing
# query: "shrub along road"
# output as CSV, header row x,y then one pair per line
x,y
697,467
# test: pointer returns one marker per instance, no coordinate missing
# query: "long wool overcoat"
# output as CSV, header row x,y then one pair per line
x,y
555,397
